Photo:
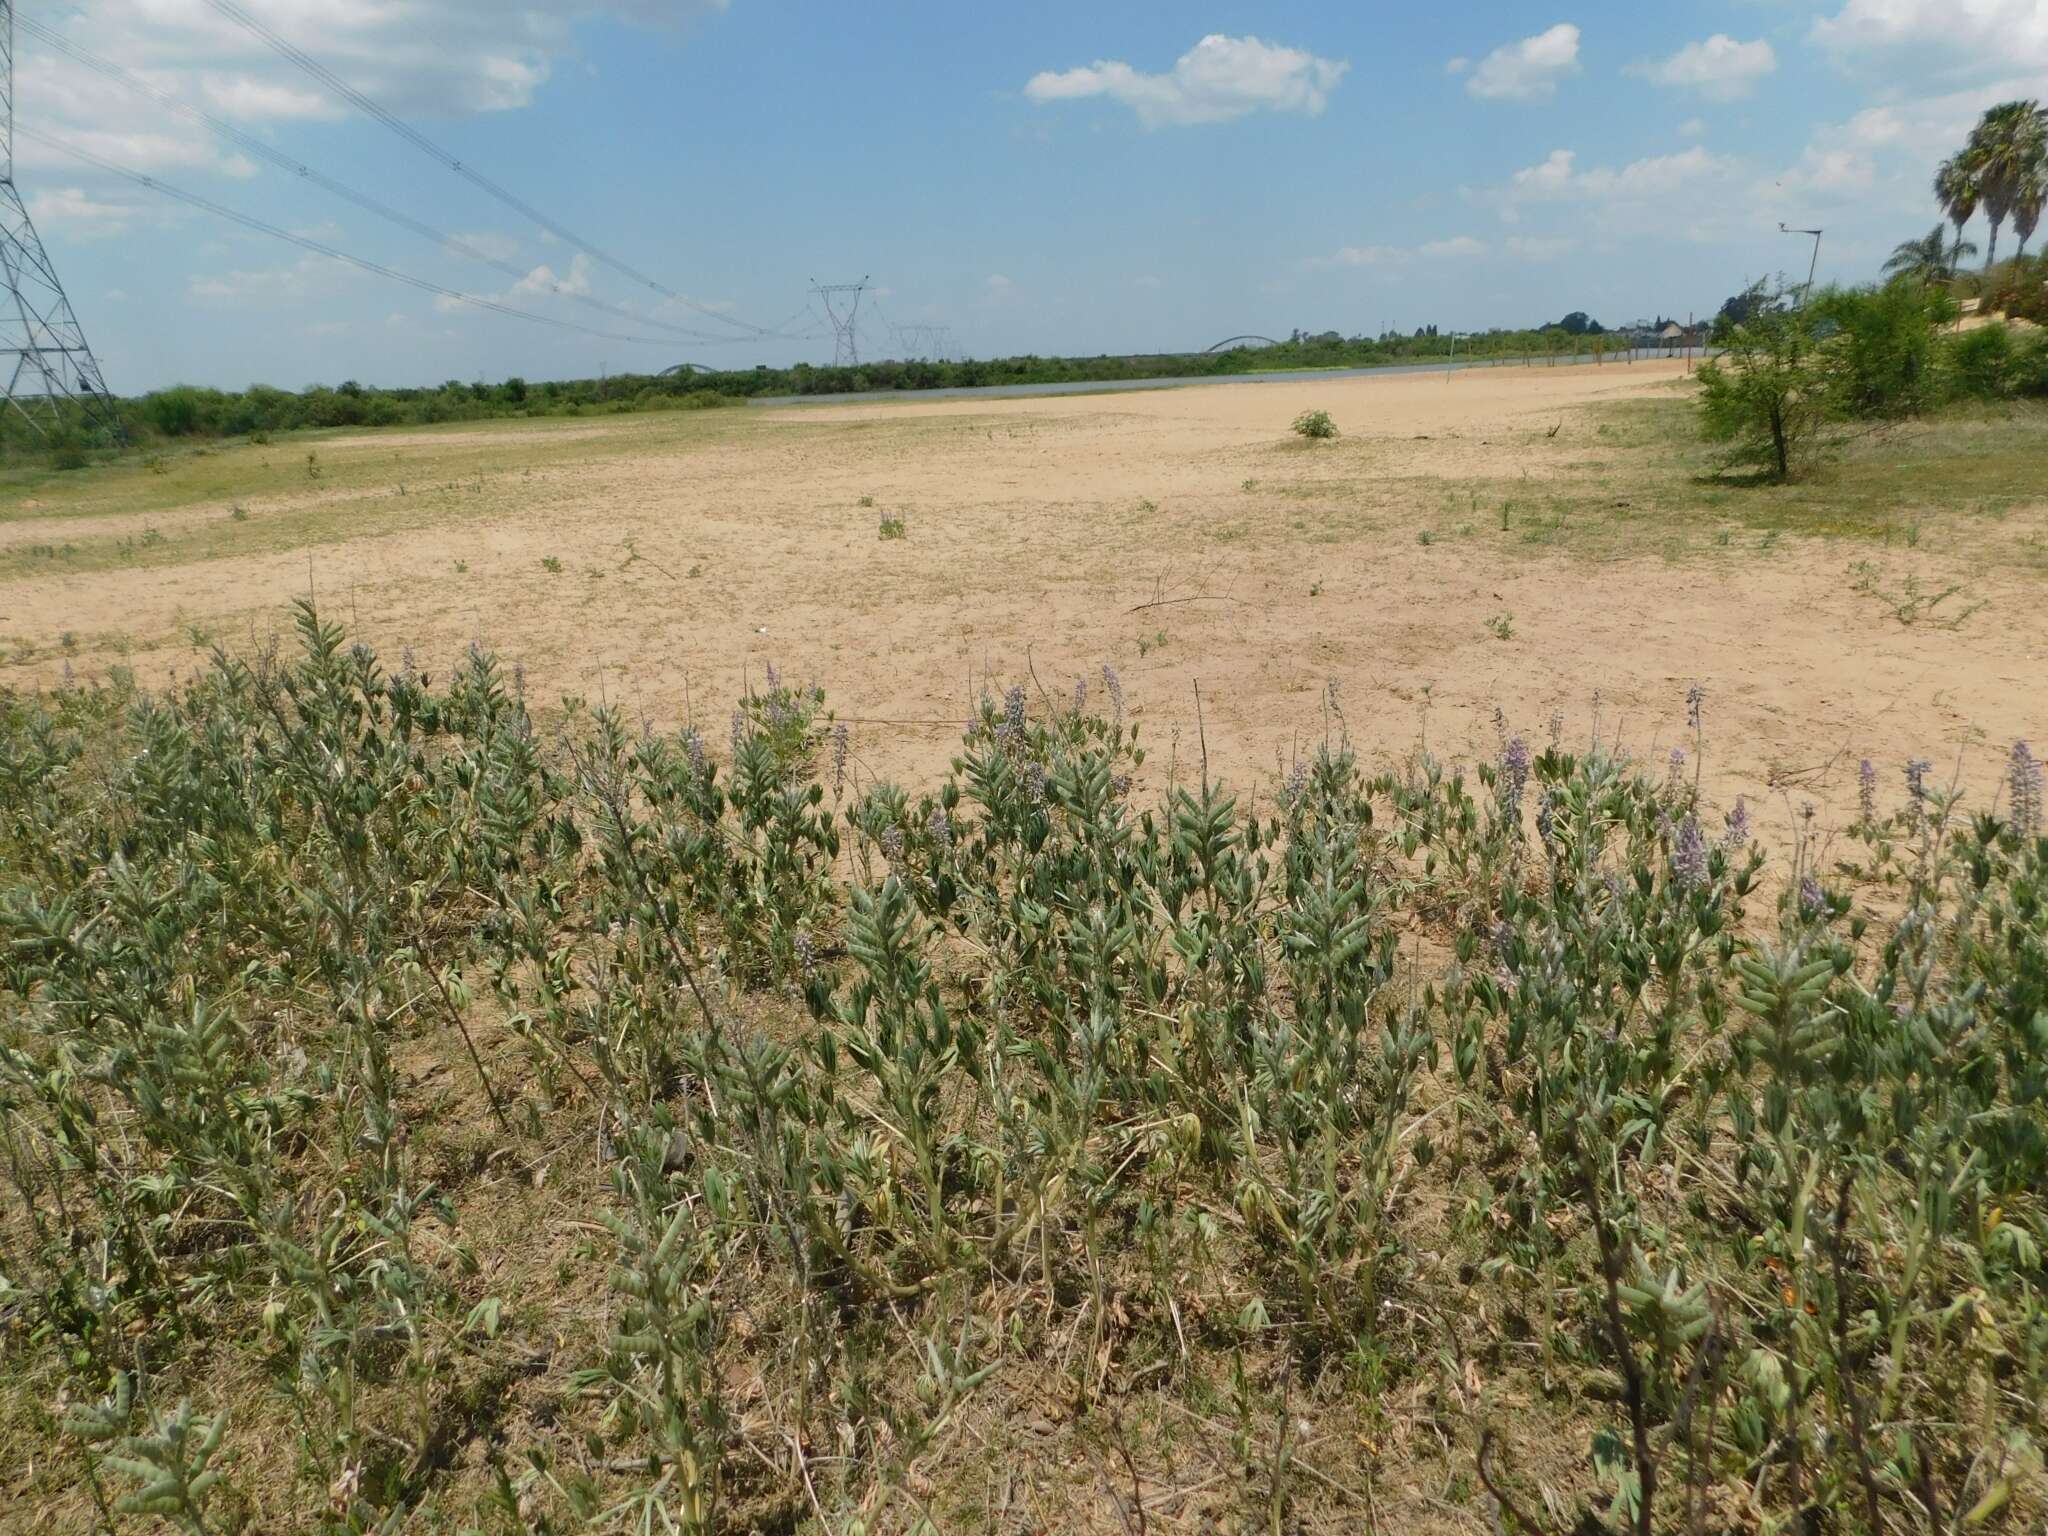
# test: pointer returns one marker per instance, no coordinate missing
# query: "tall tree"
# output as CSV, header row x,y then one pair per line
x,y
2033,192
1930,258
2005,148
1955,188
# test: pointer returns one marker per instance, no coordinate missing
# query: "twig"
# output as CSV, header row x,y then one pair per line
x,y
1500,1495
1199,597
1131,1469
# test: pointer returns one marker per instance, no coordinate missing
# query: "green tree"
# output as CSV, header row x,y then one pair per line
x,y
2005,154
1738,309
1931,258
1956,190
2026,207
1767,394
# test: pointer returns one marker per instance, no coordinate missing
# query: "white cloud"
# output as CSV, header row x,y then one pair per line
x,y
117,295
1693,195
1219,79
1988,34
78,215
489,242
246,96
308,277
1692,128
449,58
1396,258
1657,177
1878,163
1720,69
1364,256
1529,70
531,291
543,279
1147,281
1457,66
1553,176
1000,286
1539,247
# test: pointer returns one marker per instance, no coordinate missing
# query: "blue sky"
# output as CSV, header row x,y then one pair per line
x,y
1056,177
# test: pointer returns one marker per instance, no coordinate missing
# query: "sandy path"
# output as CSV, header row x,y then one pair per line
x,y
1038,526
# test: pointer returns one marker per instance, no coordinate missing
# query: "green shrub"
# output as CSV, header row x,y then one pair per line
x,y
67,448
1315,425
1979,363
1767,395
2029,370
821,1113
1882,359
182,410
2022,292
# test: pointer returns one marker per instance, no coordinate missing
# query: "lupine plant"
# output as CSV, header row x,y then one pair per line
x,y
587,1127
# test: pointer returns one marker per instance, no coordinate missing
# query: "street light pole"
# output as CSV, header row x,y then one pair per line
x,y
1814,267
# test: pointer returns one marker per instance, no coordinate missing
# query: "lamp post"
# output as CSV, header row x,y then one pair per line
x,y
1807,292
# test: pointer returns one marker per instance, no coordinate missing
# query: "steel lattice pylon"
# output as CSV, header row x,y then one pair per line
x,y
45,362
845,328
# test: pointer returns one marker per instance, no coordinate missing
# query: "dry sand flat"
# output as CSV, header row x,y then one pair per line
x,y
1181,535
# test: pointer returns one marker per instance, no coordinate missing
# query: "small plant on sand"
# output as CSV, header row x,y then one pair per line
x,y
867,501
239,513
892,527
1155,641
1501,626
1316,426
551,564
1913,603
313,470
1425,538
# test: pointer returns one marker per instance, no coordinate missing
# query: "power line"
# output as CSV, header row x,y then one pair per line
x,y
469,173
320,248
256,146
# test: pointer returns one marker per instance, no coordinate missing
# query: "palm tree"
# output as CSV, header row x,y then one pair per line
x,y
2005,150
1930,258
1955,189
2030,188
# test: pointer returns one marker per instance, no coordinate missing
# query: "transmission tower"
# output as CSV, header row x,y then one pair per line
x,y
923,343
845,340
45,363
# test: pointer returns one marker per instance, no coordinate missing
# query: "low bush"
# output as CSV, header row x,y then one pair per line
x,y
825,1117
1883,359
1979,363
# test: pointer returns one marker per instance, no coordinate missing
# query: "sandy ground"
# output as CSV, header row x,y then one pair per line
x,y
1183,536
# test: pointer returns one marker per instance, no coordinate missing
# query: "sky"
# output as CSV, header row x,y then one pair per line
x,y
1053,178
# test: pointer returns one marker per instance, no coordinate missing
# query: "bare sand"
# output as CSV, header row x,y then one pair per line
x,y
1183,536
